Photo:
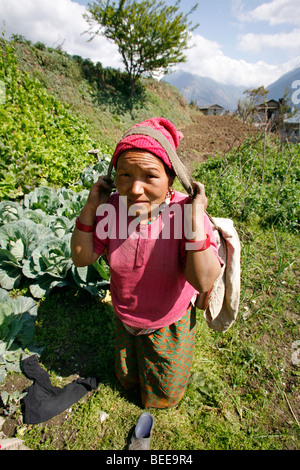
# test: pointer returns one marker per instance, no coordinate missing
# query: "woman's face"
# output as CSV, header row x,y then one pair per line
x,y
142,178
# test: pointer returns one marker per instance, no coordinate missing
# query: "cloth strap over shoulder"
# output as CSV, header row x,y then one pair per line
x,y
181,171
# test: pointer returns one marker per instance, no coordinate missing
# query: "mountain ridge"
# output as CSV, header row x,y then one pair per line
x,y
286,83
204,91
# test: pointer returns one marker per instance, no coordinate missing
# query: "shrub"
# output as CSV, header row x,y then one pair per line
x,y
243,186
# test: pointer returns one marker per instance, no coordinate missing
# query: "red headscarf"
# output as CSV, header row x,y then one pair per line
x,y
143,142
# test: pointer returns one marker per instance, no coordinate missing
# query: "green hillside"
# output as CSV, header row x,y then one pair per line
x,y
100,94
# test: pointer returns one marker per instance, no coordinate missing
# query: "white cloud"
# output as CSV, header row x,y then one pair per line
x,y
273,16
207,59
256,42
277,12
57,22
274,12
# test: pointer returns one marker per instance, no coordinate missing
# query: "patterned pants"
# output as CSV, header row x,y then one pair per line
x,y
159,362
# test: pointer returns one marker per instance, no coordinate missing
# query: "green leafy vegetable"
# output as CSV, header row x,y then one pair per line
x,y
17,317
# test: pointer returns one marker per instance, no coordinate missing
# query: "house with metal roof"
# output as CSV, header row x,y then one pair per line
x,y
212,110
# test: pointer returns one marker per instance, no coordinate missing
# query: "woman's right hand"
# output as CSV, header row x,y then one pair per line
x,y
82,242
100,192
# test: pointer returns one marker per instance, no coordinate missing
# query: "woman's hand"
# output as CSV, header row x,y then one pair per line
x,y
199,195
195,222
82,242
100,192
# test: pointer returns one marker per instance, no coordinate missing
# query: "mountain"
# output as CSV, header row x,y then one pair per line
x,y
287,82
204,90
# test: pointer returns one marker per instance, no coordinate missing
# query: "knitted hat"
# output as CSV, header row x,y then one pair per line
x,y
147,143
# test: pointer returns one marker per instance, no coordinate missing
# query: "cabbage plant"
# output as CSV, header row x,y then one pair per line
x,y
35,239
17,317
9,211
93,278
91,173
18,240
42,198
48,264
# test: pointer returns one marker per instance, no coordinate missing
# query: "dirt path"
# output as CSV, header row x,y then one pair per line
x,y
210,135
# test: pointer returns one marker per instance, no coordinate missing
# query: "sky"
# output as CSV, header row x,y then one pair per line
x,y
238,42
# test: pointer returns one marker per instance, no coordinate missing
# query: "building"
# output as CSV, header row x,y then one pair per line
x,y
212,110
267,109
292,127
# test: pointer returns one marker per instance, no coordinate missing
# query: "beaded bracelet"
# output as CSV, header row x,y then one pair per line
x,y
83,227
194,245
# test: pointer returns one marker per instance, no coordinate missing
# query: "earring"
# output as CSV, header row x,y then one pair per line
x,y
169,196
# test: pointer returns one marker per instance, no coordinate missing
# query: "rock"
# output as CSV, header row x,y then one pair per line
x,y
12,444
2,421
296,358
296,354
103,416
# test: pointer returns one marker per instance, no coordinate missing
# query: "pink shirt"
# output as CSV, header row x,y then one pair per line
x,y
148,286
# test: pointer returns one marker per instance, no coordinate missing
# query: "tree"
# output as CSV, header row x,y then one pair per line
x,y
151,36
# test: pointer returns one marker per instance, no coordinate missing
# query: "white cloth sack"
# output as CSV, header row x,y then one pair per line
x,y
221,304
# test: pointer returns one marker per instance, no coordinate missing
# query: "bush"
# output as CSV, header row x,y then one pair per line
x,y
245,186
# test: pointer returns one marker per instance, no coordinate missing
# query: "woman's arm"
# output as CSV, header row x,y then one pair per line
x,y
82,242
202,267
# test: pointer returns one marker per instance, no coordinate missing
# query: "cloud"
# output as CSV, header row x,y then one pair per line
x,y
206,58
277,12
256,42
274,12
57,23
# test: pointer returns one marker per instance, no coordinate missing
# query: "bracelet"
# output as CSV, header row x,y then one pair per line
x,y
83,227
194,245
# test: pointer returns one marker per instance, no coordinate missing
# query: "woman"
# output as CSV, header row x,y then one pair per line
x,y
156,269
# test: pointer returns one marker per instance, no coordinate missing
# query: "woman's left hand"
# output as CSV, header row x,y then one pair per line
x,y
199,194
195,216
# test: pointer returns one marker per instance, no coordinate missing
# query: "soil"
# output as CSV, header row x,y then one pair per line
x,y
211,135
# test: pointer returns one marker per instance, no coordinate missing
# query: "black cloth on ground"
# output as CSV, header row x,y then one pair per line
x,y
44,401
